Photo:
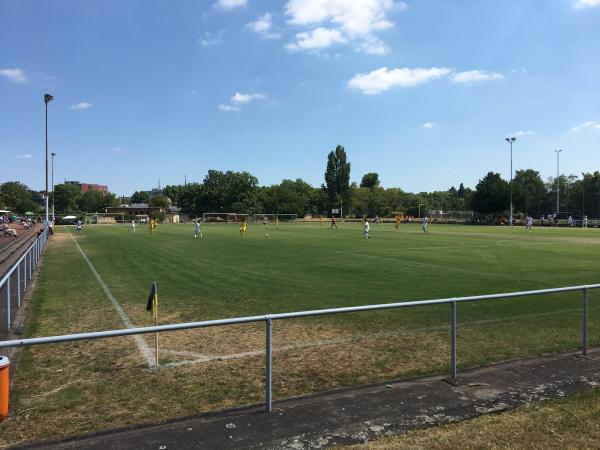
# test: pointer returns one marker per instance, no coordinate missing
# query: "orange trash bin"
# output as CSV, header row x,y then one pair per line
x,y
4,367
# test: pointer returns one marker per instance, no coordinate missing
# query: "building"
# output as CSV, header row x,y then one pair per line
x,y
84,187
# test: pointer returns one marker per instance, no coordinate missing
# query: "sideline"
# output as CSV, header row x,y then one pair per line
x,y
139,340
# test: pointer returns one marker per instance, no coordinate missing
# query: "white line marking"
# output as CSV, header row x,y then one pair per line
x,y
139,340
208,358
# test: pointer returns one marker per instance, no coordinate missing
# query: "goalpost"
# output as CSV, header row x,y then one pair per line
x,y
104,218
258,218
224,217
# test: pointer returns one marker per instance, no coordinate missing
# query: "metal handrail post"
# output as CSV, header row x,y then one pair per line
x,y
19,284
268,365
453,340
8,304
585,321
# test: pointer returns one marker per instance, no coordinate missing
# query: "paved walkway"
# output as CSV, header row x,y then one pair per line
x,y
358,415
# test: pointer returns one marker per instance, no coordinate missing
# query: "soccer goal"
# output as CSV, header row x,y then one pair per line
x,y
104,218
259,218
286,217
452,216
224,217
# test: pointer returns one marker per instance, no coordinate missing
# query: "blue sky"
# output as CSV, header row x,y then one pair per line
x,y
422,91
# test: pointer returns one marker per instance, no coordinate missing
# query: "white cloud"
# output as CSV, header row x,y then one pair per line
x,y
228,108
80,106
318,38
473,76
263,26
582,4
344,21
585,125
227,5
14,75
118,149
383,79
240,99
210,39
522,133
25,156
428,125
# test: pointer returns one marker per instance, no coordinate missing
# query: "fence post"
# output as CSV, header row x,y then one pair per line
x,y
19,285
25,273
585,322
453,340
268,364
8,304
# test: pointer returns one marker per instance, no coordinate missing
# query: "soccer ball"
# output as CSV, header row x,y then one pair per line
x,y
266,234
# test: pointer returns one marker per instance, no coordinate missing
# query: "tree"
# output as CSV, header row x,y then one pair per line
x,y
370,180
528,192
66,197
160,200
337,178
492,195
18,197
96,201
140,197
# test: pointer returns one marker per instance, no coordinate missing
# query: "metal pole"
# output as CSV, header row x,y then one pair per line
x,y
19,285
25,273
453,340
557,181
8,304
511,185
46,199
585,321
268,365
53,154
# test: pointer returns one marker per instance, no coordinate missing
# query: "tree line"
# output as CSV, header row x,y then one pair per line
x,y
240,192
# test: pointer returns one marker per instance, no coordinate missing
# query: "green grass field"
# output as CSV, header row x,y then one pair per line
x,y
298,267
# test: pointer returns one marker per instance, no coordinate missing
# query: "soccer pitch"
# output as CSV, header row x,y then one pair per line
x,y
298,267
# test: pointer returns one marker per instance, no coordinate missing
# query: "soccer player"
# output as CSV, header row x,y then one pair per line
x,y
265,222
397,225
585,222
570,221
197,230
79,226
529,225
333,223
277,222
366,228
132,226
425,224
151,225
243,228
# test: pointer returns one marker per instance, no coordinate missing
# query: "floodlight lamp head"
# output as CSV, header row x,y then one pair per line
x,y
53,154
48,98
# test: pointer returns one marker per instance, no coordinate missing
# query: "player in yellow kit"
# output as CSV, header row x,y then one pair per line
x,y
243,228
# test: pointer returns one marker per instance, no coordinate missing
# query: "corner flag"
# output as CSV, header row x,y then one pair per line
x,y
152,305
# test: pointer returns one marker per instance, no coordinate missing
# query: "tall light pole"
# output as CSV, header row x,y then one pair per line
x,y
557,181
510,141
47,98
53,155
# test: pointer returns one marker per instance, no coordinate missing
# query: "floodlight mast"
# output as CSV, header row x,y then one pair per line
x,y
47,99
510,141
557,180
53,155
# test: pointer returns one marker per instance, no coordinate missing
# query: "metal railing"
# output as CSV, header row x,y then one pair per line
x,y
269,318
24,268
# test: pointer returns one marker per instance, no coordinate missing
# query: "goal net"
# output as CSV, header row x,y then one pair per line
x,y
104,218
259,218
286,217
224,217
451,216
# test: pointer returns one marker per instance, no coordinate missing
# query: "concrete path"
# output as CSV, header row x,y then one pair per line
x,y
358,415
